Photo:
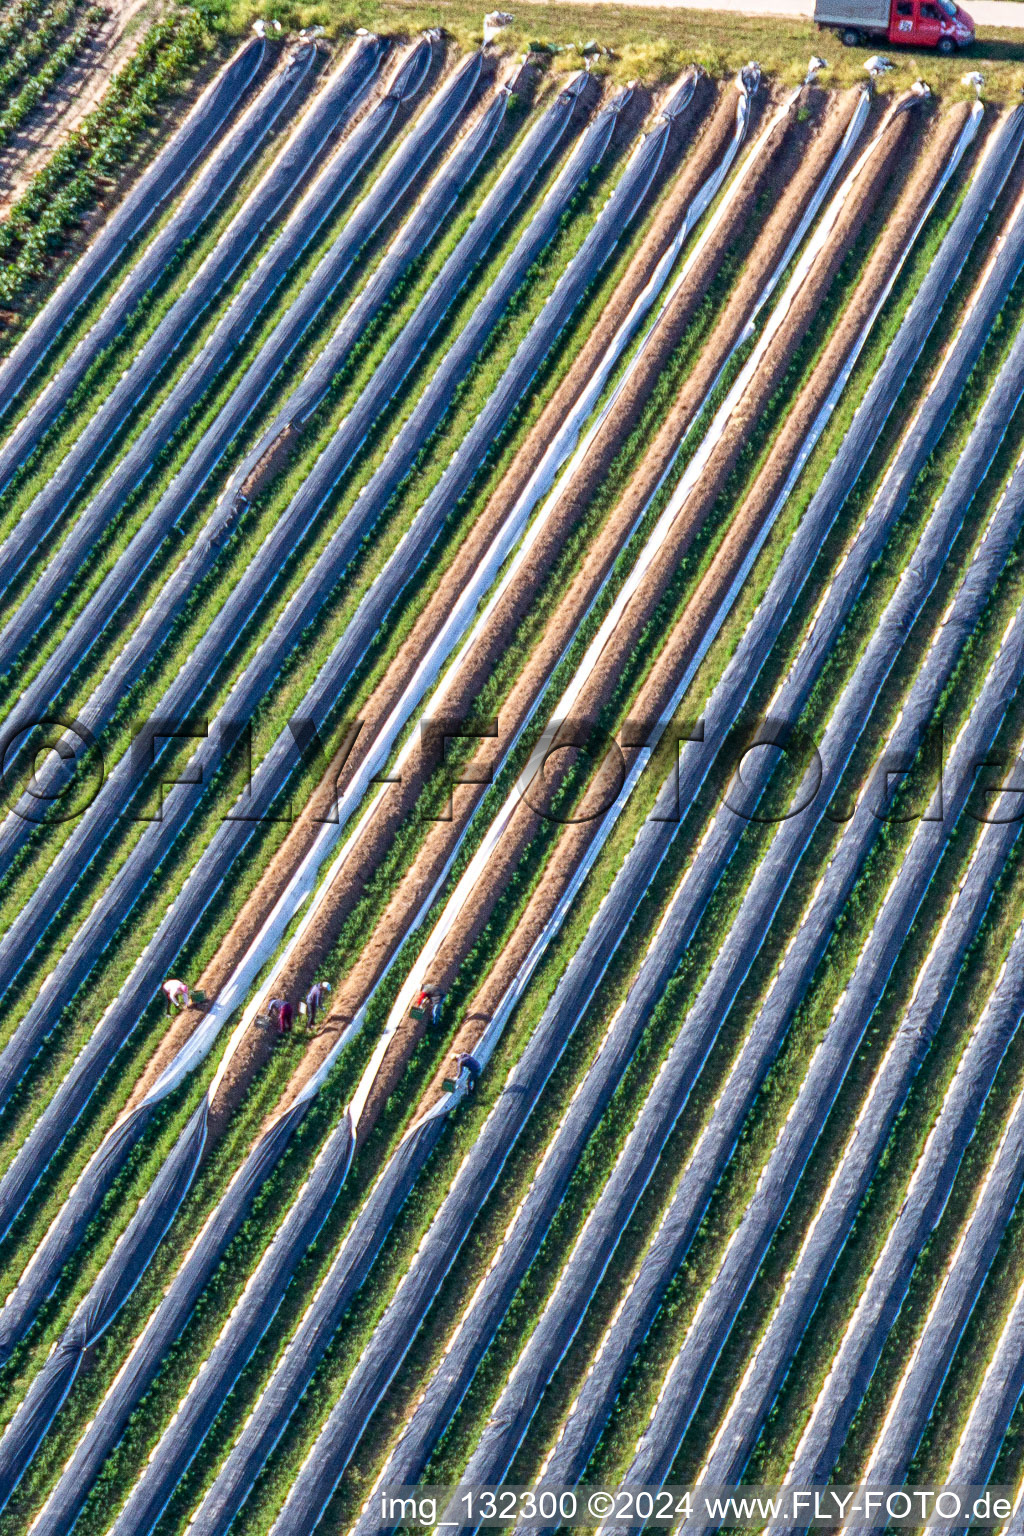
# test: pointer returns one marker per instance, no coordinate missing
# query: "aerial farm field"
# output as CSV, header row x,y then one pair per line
x,y
511,660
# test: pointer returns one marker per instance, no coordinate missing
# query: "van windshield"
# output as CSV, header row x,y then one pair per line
x,y
948,7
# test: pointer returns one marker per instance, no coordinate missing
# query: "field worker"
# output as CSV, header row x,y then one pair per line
x,y
464,1062
427,1006
176,994
314,997
282,1014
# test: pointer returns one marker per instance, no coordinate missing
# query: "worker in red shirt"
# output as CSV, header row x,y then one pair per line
x,y
282,1014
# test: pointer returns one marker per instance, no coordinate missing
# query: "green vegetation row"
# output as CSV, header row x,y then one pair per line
x,y
14,21
41,83
439,1330
493,939
776,1097
107,145
555,266
35,44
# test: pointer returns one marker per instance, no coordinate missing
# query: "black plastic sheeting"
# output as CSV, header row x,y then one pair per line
x,y
297,1231
929,1190
683,1386
252,226
64,1235
479,1172
922,1382
931,1184
232,835
249,1321
219,174
544,139
266,1288
253,1315
204,124
504,200
654,838
96,1312
834,1221
411,160
477,1327
474,452
566,1308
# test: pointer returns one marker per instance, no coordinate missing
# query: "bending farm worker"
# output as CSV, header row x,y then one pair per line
x,y
176,994
282,1014
427,1006
464,1062
314,997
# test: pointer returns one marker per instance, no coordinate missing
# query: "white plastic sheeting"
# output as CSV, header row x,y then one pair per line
x,y
432,131
264,1292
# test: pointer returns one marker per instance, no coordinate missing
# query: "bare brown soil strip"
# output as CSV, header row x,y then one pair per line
x,y
60,113
709,145
656,693
529,816
417,883
479,664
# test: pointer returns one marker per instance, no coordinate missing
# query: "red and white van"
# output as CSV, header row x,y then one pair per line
x,y
940,24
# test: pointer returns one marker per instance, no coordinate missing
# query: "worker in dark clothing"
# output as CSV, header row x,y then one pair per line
x,y
314,997
464,1062
282,1014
